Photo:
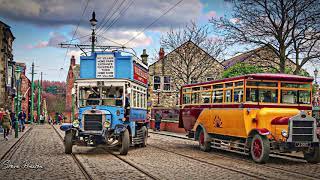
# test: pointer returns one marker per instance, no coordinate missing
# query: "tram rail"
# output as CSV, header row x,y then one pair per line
x,y
12,150
76,160
307,176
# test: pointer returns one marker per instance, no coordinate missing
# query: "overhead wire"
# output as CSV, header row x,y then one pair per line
x,y
114,12
75,32
147,27
107,14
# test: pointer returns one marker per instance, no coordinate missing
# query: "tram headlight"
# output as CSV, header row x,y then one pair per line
x,y
75,123
284,133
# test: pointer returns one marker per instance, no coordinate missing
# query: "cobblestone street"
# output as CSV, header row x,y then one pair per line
x,y
40,155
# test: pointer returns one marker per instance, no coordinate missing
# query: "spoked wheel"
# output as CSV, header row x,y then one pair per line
x,y
145,136
260,148
313,155
125,143
203,143
68,142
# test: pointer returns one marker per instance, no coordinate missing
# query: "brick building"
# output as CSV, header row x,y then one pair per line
x,y
73,74
25,90
7,67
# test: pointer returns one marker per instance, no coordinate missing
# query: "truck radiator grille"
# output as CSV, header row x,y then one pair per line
x,y
92,122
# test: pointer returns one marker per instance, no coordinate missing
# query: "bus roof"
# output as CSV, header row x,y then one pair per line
x,y
259,76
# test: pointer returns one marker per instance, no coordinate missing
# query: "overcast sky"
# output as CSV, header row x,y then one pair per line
x,y
40,25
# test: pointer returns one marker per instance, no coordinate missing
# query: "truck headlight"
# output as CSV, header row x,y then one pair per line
x,y
107,124
75,123
284,133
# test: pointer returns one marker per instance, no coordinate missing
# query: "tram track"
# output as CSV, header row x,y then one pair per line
x,y
13,149
76,160
270,167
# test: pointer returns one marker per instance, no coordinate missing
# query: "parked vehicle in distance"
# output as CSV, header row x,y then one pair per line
x,y
254,114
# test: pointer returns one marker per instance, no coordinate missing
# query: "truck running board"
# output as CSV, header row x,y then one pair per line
x,y
231,146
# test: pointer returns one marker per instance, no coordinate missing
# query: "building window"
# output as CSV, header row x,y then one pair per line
x,y
166,83
156,82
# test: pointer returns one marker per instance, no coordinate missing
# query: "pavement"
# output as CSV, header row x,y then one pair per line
x,y
6,145
167,133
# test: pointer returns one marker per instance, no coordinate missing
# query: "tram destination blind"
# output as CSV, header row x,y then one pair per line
x,y
105,66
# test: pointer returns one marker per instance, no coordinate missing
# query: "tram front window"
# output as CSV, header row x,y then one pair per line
x,y
89,96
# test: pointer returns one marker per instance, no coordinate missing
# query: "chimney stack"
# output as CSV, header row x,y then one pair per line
x,y
144,57
161,53
72,61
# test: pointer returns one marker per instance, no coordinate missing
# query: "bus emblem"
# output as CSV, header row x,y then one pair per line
x,y
217,123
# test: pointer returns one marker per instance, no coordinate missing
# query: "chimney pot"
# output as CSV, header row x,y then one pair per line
x,y
72,61
161,53
144,57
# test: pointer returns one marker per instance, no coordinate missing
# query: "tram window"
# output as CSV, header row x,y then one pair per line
x,y
238,95
228,96
217,96
218,86
186,99
258,83
228,85
134,98
205,97
268,96
289,97
195,98
304,97
239,83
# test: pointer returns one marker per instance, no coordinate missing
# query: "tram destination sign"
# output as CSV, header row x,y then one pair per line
x,y
105,66
140,74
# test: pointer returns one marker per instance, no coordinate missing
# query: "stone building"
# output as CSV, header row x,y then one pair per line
x,y
167,75
7,82
25,88
73,74
263,57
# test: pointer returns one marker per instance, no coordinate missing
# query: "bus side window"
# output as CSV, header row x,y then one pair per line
x,y
195,98
217,96
186,99
228,95
238,95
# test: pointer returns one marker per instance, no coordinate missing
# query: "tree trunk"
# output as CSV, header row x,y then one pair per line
x,y
282,58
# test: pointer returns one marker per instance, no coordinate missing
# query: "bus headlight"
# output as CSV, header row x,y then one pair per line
x,y
106,124
284,133
75,123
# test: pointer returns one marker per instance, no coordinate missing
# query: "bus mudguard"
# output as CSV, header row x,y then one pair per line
x,y
66,127
119,128
261,131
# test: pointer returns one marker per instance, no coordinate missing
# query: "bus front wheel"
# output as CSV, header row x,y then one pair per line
x,y
203,143
68,142
125,143
313,155
260,148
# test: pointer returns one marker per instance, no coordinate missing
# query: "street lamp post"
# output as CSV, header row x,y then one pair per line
x,y
315,76
93,23
18,104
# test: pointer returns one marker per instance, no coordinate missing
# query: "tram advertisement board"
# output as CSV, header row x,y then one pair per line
x,y
105,66
140,74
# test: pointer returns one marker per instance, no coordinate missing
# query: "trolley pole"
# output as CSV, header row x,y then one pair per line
x,y
32,95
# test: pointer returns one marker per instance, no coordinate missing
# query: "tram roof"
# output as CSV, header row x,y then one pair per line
x,y
259,76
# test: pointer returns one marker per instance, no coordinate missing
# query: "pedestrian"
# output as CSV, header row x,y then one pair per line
x,y
13,120
6,124
22,120
41,118
1,116
158,118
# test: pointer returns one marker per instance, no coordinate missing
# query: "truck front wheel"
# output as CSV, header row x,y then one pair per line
x,y
68,142
125,143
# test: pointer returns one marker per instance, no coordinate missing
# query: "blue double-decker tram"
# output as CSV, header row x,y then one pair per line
x,y
111,96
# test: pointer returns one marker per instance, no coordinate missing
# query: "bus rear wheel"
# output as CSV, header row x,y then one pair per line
x,y
313,155
260,148
203,143
125,143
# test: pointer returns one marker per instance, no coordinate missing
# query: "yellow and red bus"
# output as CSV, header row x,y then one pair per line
x,y
254,114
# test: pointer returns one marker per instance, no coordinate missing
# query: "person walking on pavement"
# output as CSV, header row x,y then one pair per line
x,y
13,120
158,118
22,120
1,116
6,124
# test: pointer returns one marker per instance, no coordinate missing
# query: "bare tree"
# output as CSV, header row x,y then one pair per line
x,y
193,53
289,27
